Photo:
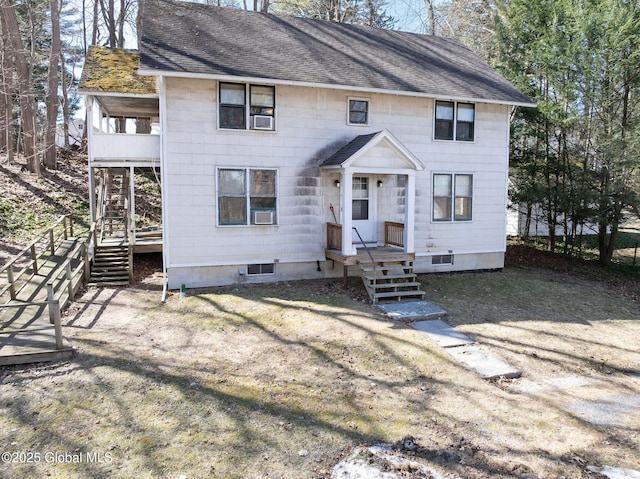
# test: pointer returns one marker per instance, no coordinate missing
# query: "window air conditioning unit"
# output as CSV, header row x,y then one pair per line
x,y
263,217
262,122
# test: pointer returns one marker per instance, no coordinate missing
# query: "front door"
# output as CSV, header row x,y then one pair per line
x,y
363,210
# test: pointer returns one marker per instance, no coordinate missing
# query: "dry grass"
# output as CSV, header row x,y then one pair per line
x,y
282,380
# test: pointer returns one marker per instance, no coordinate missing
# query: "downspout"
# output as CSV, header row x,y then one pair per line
x,y
163,188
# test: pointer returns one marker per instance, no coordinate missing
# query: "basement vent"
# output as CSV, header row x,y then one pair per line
x,y
262,268
442,259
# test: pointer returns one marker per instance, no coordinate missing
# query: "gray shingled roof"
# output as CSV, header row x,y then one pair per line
x,y
348,150
189,38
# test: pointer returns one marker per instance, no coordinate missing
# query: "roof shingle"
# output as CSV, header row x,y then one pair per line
x,y
189,38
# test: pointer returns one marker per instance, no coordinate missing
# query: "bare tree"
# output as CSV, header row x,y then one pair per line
x,y
14,46
5,101
52,88
432,17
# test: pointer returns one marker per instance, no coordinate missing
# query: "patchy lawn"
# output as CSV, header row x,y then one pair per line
x,y
284,380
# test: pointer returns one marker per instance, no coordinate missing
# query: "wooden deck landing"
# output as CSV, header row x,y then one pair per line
x,y
147,242
379,253
26,333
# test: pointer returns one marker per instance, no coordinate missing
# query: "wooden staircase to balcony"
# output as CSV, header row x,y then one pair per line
x,y
113,255
390,278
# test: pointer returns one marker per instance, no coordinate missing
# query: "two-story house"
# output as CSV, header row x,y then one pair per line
x,y
287,145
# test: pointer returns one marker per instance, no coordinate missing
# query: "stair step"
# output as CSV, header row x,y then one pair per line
x,y
378,277
98,284
393,269
408,284
104,268
114,264
387,259
400,294
118,275
109,258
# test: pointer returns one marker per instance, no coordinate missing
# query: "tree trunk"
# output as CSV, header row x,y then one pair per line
x,y
66,114
432,17
95,23
16,48
139,20
5,99
121,22
52,89
110,19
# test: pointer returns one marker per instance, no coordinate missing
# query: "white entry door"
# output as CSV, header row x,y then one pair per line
x,y
363,209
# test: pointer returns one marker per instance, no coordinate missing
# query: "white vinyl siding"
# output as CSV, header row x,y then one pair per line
x,y
311,123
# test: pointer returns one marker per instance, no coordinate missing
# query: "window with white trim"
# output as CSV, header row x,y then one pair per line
x,y
242,105
452,197
247,196
358,111
455,120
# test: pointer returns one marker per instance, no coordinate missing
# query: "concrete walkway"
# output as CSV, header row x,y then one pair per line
x,y
425,317
26,332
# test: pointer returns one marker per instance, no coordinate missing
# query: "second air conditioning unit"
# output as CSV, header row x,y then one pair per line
x,y
262,122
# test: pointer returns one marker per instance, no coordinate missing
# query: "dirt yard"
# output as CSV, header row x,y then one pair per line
x,y
284,380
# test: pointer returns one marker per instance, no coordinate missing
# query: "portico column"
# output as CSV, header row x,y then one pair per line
x,y
410,214
346,196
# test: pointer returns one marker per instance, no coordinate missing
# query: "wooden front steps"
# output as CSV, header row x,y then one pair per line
x,y
110,266
390,279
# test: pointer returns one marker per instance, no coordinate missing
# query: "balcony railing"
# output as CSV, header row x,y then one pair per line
x,y
393,235
125,147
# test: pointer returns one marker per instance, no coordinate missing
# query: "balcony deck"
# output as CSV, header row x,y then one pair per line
x,y
379,253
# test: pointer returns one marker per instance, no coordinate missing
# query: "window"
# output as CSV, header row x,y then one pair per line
x,y
262,268
442,259
452,197
246,196
360,201
232,106
234,111
358,111
454,120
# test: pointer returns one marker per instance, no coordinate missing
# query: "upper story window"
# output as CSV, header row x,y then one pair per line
x,y
246,196
358,111
452,197
243,106
454,120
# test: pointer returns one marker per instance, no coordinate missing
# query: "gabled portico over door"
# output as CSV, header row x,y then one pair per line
x,y
381,158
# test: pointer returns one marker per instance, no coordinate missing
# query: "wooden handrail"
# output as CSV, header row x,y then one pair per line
x,y
53,302
334,236
50,234
394,234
